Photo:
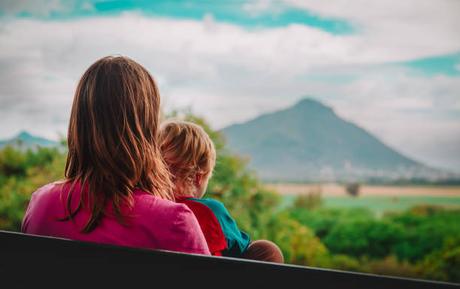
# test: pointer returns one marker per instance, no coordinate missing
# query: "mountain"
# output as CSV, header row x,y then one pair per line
x,y
25,140
309,142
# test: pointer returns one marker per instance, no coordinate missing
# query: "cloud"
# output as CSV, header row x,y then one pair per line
x,y
230,74
255,8
407,29
40,8
419,116
225,60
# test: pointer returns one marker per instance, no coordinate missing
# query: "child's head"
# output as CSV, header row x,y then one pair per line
x,y
190,155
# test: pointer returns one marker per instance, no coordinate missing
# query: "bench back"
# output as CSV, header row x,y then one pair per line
x,y
28,261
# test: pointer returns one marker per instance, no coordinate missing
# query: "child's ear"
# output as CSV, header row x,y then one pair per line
x,y
198,179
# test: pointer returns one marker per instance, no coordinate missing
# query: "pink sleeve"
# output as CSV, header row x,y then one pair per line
x,y
30,210
188,232
25,218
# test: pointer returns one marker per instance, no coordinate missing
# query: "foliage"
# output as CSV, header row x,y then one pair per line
x,y
443,264
21,173
421,242
372,238
390,265
353,189
426,229
298,243
323,220
311,200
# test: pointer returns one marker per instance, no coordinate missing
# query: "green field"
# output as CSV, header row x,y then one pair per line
x,y
381,204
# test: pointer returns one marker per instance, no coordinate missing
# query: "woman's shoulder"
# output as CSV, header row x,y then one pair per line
x,y
48,191
174,222
43,201
150,204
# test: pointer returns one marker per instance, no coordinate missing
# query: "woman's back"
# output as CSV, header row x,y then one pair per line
x,y
151,222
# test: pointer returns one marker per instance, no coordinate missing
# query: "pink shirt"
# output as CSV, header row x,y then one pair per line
x,y
153,223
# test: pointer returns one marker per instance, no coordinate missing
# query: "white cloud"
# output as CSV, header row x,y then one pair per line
x,y
229,74
420,116
35,7
403,30
43,58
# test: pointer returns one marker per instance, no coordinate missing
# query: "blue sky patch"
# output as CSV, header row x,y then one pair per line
x,y
444,64
232,12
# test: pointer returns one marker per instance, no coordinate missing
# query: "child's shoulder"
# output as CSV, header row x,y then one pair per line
x,y
217,207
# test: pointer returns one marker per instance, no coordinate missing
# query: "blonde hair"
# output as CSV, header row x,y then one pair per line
x,y
188,150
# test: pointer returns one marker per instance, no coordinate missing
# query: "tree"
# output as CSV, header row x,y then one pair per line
x,y
352,189
311,200
21,173
443,264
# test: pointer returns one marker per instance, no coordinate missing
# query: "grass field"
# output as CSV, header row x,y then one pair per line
x,y
376,198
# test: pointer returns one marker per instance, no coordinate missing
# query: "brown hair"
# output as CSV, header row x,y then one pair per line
x,y
187,150
112,138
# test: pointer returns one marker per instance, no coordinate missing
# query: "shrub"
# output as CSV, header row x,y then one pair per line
x,y
443,264
311,200
372,238
298,243
353,189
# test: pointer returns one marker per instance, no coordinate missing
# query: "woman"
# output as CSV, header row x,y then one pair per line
x,y
117,188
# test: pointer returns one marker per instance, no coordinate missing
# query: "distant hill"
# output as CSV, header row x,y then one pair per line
x,y
25,140
309,142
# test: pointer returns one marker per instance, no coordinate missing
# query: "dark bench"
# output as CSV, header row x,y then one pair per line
x,y
28,261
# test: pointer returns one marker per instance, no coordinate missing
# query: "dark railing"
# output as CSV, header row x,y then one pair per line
x,y
28,261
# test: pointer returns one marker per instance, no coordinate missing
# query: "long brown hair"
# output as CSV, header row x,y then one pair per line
x,y
112,138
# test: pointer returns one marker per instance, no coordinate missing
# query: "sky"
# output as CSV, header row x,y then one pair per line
x,y
390,66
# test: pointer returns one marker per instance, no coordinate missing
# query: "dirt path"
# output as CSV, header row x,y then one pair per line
x,y
335,190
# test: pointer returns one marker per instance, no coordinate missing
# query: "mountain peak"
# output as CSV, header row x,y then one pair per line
x,y
24,139
24,135
309,103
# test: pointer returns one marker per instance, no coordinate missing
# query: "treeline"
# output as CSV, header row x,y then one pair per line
x,y
422,242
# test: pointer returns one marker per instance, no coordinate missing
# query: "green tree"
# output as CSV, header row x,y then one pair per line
x,y
21,173
298,243
372,238
426,229
443,264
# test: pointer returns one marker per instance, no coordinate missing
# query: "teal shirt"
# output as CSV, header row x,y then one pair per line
x,y
237,241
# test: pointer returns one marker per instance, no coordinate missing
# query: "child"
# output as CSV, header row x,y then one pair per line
x,y
190,156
